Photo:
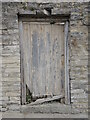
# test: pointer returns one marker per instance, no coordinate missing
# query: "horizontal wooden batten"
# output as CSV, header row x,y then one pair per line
x,y
45,23
43,18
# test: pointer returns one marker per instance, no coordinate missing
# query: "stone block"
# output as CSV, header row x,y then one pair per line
x,y
8,79
61,11
12,66
11,88
3,109
76,96
27,12
7,70
10,49
14,107
11,75
77,91
12,31
79,100
13,94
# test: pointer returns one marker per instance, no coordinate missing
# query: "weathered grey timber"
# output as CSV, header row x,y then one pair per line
x,y
46,100
44,77
67,82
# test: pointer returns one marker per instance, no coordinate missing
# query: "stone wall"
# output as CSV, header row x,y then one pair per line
x,y
78,47
0,55
79,56
10,56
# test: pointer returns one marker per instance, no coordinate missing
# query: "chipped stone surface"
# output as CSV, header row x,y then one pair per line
x,y
46,1
49,108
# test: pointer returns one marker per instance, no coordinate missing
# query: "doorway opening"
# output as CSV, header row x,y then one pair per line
x,y
44,60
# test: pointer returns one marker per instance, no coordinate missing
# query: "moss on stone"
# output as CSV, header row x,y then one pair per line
x,y
28,95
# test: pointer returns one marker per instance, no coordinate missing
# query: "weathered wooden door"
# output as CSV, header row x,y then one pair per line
x,y
43,58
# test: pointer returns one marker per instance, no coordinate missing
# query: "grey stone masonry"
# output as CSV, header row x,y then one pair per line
x,y
78,48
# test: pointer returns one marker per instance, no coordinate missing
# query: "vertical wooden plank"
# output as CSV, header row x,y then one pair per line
x,y
26,54
51,69
53,59
45,62
35,60
48,59
30,57
50,54
42,50
32,71
23,84
41,42
43,59
39,63
54,34
27,57
58,59
67,89
59,52
62,62
48,44
58,56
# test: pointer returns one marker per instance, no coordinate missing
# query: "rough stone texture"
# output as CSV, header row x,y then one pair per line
x,y
78,47
49,108
0,56
45,115
45,1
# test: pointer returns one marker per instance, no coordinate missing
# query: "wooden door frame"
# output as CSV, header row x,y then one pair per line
x,y
67,79
66,42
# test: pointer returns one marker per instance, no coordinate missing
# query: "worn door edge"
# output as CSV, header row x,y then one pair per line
x,y
66,47
23,85
67,81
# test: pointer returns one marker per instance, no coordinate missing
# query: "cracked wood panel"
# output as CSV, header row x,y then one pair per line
x,y
43,45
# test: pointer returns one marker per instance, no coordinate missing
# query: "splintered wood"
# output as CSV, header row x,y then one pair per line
x,y
45,100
